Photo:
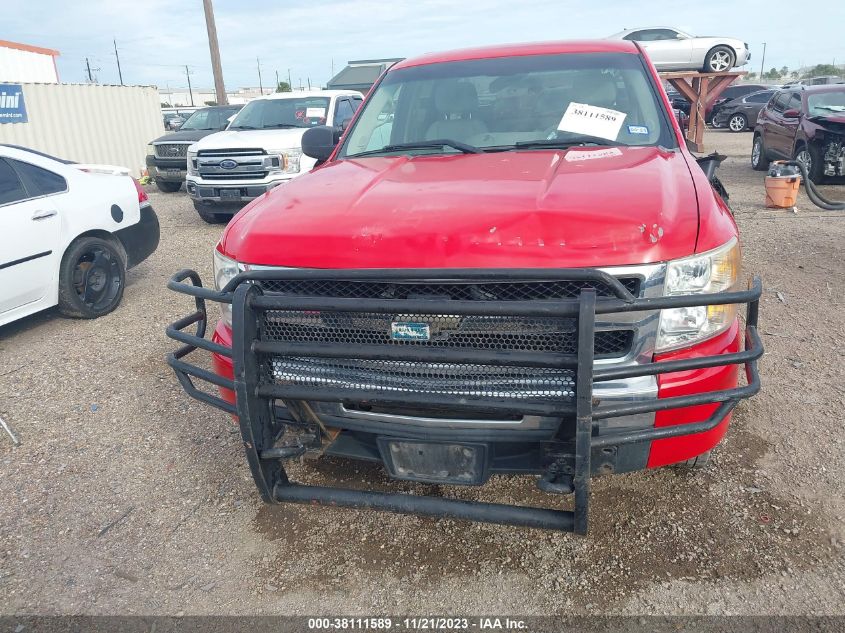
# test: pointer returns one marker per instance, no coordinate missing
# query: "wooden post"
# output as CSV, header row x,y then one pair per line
x,y
701,90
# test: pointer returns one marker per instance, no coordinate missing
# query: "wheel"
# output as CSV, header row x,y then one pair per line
x,y
168,186
759,162
695,463
737,122
712,122
206,213
91,277
719,60
812,160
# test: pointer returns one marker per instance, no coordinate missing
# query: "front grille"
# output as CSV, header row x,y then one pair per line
x,y
485,291
233,152
522,383
527,334
249,164
539,334
172,150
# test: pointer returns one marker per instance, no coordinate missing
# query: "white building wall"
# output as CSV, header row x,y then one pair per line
x,y
89,123
18,66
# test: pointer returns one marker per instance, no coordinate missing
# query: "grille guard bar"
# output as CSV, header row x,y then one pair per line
x,y
252,397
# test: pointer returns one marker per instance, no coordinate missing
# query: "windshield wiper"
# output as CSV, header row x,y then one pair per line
x,y
243,127
562,143
441,142
282,125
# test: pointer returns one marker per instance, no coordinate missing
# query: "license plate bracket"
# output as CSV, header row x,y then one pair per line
x,y
173,171
230,194
434,462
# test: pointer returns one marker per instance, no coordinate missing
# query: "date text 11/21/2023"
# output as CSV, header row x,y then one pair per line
x,y
429,623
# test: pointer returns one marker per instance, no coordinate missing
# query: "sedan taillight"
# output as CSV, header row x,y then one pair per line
x,y
142,195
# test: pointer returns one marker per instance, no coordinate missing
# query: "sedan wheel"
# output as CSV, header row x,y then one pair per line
x,y
91,277
737,123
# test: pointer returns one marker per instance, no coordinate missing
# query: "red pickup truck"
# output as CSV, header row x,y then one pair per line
x,y
508,262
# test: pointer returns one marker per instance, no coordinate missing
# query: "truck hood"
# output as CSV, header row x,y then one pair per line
x,y
265,139
581,207
183,136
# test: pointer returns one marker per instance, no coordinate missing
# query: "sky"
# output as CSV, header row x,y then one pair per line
x,y
157,38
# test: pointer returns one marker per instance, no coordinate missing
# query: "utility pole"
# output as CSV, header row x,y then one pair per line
x,y
290,83
214,49
117,57
260,86
277,81
190,91
88,66
763,60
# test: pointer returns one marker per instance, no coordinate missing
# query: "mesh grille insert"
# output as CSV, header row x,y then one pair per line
x,y
483,291
529,334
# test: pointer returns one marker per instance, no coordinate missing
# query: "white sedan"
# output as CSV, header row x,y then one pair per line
x,y
672,49
68,233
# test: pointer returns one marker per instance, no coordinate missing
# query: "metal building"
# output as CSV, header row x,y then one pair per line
x,y
24,63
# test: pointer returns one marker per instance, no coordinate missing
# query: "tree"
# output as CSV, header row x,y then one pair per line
x,y
210,103
823,69
283,87
795,74
784,71
751,75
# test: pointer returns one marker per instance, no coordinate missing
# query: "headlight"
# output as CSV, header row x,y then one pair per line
x,y
151,150
224,270
285,161
714,271
192,163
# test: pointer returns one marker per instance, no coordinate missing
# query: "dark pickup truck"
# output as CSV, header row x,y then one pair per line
x,y
167,156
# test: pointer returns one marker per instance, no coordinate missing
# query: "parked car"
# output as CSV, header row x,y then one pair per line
x,y
741,114
672,49
173,122
519,269
167,156
733,91
804,123
261,148
68,233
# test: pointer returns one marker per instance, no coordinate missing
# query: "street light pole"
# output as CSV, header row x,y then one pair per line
x,y
763,60
214,49
190,91
117,57
260,86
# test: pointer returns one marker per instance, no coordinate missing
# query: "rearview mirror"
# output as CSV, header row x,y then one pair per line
x,y
319,142
792,113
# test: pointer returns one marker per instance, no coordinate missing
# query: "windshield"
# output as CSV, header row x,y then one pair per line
x,y
209,119
512,103
826,103
282,113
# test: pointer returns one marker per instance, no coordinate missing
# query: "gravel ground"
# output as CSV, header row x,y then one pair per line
x,y
126,496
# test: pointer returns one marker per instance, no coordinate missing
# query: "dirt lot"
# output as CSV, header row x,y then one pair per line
x,y
126,496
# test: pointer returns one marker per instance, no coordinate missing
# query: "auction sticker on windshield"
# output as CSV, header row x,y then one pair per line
x,y
315,113
582,118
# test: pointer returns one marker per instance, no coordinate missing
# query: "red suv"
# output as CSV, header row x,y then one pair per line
x,y
509,263
804,123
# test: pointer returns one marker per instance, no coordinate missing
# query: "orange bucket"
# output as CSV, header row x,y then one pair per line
x,y
782,191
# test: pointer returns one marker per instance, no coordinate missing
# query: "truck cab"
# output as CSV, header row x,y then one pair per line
x,y
261,148
509,263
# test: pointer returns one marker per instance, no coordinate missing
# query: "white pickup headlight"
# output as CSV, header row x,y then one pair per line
x,y
713,271
192,163
288,160
224,270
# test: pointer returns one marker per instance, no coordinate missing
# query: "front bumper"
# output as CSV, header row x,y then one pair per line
x,y
168,170
570,458
221,192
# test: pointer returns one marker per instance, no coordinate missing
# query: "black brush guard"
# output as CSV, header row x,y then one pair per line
x,y
255,397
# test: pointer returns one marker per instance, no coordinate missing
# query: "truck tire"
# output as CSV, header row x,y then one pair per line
x,y
812,159
92,276
206,213
759,161
719,59
167,186
695,463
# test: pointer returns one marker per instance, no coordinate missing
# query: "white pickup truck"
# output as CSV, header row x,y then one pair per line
x,y
261,148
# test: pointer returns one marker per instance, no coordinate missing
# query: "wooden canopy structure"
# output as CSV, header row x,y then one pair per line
x,y
701,89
